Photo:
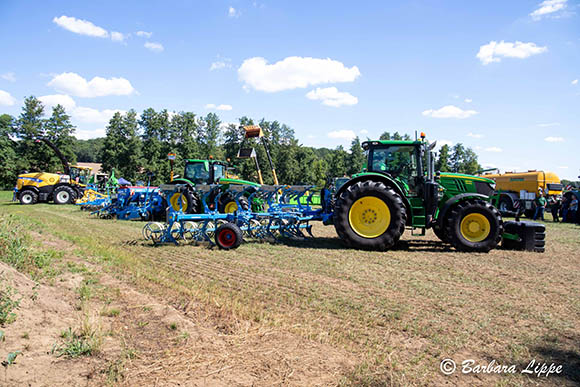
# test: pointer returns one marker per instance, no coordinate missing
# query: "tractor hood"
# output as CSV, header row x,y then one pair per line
x,y
453,175
224,180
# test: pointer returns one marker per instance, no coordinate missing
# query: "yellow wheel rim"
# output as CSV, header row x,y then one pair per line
x,y
475,227
230,207
369,217
175,203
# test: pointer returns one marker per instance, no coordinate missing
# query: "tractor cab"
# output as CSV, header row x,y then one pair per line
x,y
410,164
205,171
80,175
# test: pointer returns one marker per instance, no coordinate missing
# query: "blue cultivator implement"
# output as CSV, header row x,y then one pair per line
x,y
132,202
278,218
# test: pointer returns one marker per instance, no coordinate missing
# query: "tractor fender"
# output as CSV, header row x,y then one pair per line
x,y
456,199
379,178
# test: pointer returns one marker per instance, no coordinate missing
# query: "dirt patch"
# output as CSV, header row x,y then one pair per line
x,y
147,341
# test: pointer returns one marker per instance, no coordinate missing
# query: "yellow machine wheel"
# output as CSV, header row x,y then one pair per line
x,y
176,204
369,217
475,227
230,207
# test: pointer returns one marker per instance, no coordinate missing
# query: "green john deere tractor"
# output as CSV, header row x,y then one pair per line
x,y
206,172
399,188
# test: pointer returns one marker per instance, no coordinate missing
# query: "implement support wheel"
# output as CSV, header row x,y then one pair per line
x,y
228,236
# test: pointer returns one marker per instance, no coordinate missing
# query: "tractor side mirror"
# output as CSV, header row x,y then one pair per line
x,y
437,175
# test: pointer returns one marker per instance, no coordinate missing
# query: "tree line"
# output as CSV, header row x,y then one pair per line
x,y
136,147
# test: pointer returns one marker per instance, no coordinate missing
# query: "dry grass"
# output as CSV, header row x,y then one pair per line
x,y
398,313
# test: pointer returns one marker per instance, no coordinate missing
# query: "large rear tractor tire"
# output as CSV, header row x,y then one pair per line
x,y
64,195
369,215
440,232
186,202
474,226
27,197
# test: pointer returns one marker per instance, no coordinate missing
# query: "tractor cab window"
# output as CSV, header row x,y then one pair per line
x,y
79,175
399,161
196,173
219,171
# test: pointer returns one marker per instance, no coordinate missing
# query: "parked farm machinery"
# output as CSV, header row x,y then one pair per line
x,y
398,189
279,218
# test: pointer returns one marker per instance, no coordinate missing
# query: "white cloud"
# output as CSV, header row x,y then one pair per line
x,y
90,115
494,149
85,134
574,82
222,107
144,34
449,111
232,12
475,135
554,139
79,26
80,113
548,7
74,84
547,125
330,96
442,142
468,100
6,99
118,37
50,101
342,134
492,51
10,77
293,72
155,47
220,64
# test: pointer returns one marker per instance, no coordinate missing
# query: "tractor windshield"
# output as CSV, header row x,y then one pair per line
x,y
219,171
197,173
80,175
399,161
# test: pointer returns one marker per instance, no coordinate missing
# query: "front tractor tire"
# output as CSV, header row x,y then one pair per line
x,y
474,226
27,197
227,204
370,215
64,195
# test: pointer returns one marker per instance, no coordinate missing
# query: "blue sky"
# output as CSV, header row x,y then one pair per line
x,y
498,76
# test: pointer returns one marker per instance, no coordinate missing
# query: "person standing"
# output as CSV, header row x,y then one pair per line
x,y
573,209
555,208
565,207
541,203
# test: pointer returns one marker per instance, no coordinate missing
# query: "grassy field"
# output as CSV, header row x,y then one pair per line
x,y
312,312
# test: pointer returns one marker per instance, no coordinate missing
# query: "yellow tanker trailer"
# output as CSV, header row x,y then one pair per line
x,y
522,188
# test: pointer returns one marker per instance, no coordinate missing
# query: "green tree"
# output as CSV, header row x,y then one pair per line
x,y
210,134
442,163
154,127
337,162
356,159
470,165
8,156
28,128
457,157
59,130
122,148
